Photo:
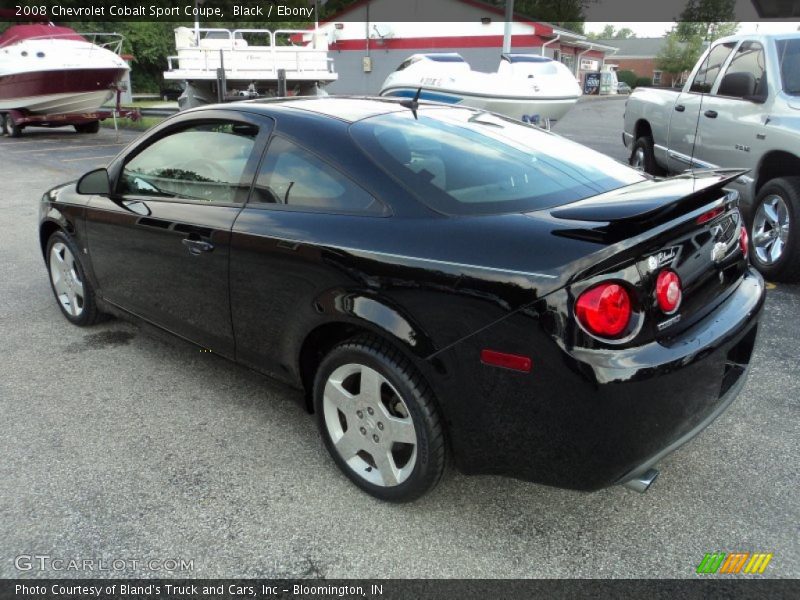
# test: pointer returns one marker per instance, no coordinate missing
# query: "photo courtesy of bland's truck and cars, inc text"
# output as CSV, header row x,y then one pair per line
x,y
360,298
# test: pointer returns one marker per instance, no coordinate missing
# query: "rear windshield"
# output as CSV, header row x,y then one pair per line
x,y
789,58
463,162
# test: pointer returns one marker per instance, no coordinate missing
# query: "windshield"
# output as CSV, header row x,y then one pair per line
x,y
789,57
463,162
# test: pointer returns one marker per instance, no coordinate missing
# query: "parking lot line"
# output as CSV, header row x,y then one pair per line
x,y
82,147
14,142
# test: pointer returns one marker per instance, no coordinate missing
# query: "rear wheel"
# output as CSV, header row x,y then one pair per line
x,y
73,291
643,158
774,233
14,129
90,127
378,420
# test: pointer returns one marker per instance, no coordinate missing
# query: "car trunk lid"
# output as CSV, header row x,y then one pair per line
x,y
688,224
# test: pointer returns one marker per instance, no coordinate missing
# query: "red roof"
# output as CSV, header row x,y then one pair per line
x,y
17,33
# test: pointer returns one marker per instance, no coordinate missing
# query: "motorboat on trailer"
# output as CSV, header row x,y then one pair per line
x,y
253,62
48,69
526,87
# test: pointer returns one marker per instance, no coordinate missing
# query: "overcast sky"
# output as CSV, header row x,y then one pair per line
x,y
663,12
659,29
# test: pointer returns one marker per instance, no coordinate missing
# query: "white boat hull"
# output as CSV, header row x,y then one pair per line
x,y
49,76
529,88
59,103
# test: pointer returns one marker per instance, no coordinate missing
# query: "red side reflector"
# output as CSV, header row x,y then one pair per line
x,y
743,240
712,214
507,361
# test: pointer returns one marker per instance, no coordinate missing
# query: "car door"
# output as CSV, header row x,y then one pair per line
x,y
733,118
160,242
299,204
683,139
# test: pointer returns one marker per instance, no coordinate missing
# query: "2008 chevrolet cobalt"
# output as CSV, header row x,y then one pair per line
x,y
440,281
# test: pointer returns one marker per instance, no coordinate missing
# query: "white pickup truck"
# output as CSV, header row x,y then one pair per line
x,y
739,108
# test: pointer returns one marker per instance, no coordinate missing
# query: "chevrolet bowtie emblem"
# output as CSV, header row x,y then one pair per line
x,y
718,252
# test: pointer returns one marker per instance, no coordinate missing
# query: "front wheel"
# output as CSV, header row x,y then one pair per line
x,y
643,157
378,420
73,291
774,234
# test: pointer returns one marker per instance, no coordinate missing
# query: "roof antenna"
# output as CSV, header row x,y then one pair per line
x,y
413,104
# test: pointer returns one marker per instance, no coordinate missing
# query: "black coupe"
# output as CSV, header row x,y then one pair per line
x,y
440,281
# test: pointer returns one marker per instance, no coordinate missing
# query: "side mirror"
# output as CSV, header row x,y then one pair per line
x,y
94,183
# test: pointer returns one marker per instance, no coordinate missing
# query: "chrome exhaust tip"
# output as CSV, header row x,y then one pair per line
x,y
642,482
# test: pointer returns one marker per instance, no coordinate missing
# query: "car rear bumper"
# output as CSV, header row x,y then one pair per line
x,y
584,419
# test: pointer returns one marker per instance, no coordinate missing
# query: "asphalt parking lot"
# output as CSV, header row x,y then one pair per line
x,y
120,444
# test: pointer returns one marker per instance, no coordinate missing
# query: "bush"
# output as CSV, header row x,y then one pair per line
x,y
644,81
628,77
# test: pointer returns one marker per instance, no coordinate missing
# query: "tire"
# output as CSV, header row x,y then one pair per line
x,y
642,156
775,230
90,127
14,130
73,291
409,460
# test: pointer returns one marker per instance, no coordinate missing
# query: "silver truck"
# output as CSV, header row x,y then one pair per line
x,y
740,107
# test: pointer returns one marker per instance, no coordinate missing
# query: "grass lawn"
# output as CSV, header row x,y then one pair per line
x,y
142,124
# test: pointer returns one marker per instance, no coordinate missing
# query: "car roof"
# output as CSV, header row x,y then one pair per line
x,y
344,108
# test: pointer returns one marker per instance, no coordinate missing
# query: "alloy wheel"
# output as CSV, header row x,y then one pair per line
x,y
637,160
771,229
369,425
66,280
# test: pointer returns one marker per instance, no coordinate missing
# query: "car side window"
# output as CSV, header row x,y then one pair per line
x,y
292,176
746,75
204,161
707,73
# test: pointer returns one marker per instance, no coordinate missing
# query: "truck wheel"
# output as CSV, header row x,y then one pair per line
x,y
774,232
90,127
642,156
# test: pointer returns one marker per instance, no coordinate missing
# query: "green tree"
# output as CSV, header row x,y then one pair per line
x,y
676,56
707,20
628,77
609,32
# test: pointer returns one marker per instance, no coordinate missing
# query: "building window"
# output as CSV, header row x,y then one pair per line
x,y
656,77
569,61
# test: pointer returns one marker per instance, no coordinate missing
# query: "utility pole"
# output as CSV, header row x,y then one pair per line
x,y
507,30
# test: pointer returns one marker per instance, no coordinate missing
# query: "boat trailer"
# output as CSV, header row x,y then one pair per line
x,y
12,122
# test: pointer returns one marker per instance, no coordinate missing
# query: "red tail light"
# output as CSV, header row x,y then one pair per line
x,y
710,215
744,240
604,310
668,291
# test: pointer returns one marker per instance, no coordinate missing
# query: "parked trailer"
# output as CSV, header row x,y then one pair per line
x,y
12,122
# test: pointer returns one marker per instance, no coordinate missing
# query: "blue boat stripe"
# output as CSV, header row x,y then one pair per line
x,y
426,95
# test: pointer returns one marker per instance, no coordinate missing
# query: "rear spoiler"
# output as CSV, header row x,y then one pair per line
x,y
618,214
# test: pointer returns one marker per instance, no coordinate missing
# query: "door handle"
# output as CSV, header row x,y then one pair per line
x,y
197,246
711,114
680,108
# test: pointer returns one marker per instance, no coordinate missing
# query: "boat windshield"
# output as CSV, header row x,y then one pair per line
x,y
789,57
462,162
